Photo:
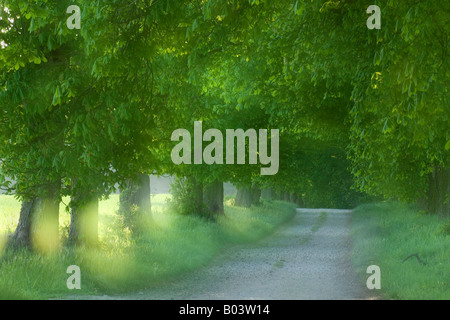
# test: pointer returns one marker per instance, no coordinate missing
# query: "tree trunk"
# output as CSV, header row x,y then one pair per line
x,y
299,201
135,201
22,235
38,226
286,196
246,196
213,198
256,195
438,192
293,198
266,194
243,197
84,221
45,225
197,195
276,195
136,196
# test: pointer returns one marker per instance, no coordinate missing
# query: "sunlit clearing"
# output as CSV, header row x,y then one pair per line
x,y
108,266
162,219
3,240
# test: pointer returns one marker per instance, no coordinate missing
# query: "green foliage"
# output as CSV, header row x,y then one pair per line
x,y
81,104
400,116
101,102
187,197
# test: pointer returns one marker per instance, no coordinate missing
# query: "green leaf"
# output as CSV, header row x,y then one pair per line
x,y
32,25
50,43
57,97
447,145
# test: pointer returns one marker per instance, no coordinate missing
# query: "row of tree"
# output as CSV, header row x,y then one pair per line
x,y
85,110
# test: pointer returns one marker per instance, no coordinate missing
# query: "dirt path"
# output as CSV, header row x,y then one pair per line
x,y
308,258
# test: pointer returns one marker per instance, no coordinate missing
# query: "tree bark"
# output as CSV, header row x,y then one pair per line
x,y
256,195
38,226
276,195
45,225
136,196
213,198
299,201
246,196
84,221
135,202
243,197
266,194
286,196
293,198
438,192
197,195
22,235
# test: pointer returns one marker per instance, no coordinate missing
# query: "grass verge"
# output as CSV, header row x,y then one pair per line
x,y
384,234
168,246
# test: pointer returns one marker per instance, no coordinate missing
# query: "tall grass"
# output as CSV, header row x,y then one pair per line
x,y
169,245
384,234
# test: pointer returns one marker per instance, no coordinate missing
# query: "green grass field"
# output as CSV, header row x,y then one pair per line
x,y
169,245
385,234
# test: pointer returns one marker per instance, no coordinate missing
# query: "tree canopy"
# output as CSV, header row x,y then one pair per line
x,y
83,110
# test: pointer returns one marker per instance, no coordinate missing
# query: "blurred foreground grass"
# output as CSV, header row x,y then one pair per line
x,y
169,245
384,234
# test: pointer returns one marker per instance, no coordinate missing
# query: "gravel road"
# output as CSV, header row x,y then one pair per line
x,y
307,258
